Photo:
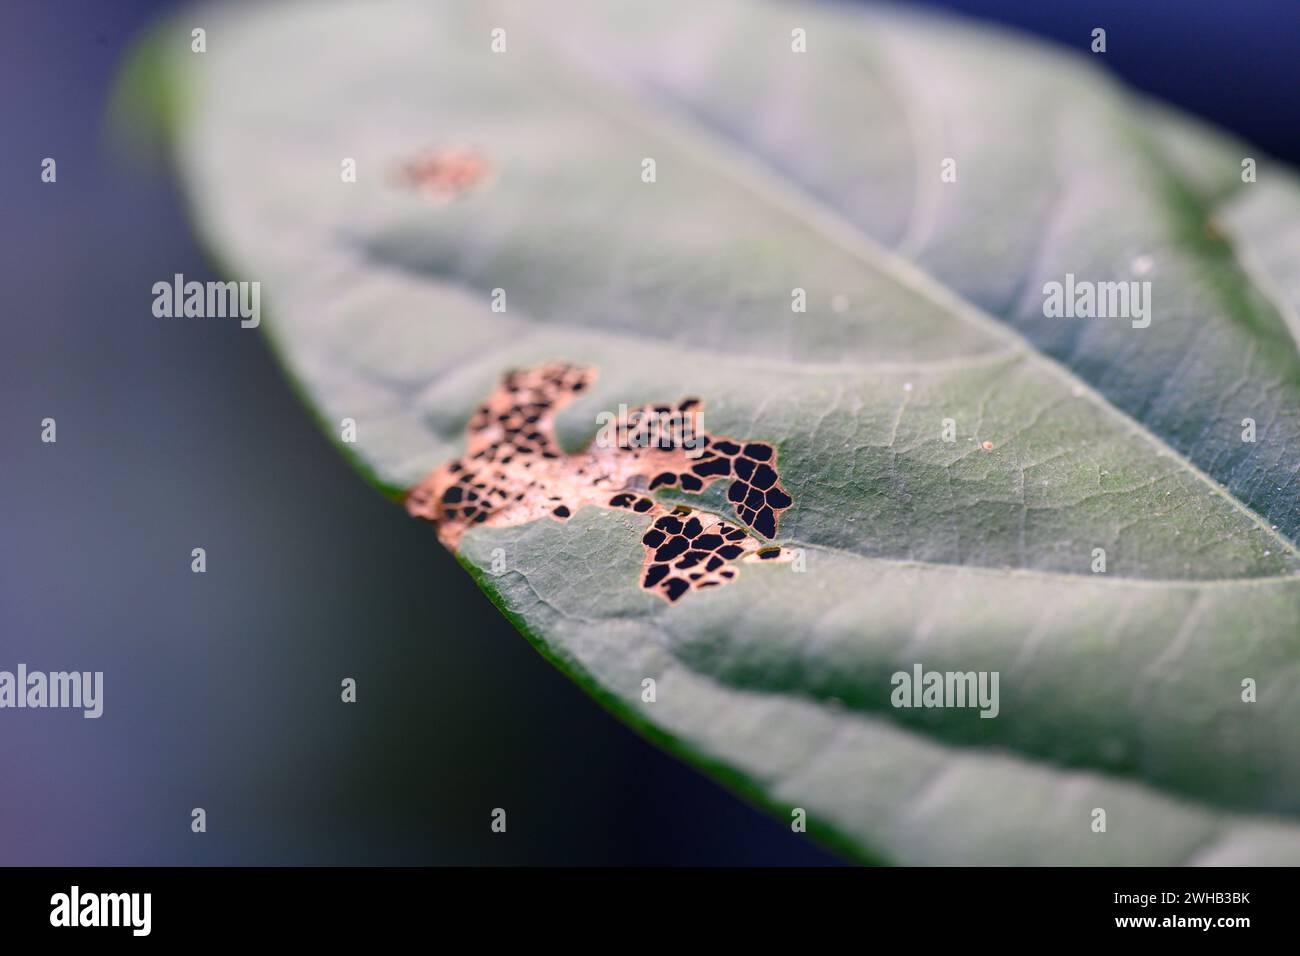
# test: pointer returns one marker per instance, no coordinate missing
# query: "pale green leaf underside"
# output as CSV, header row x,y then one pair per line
x,y
820,171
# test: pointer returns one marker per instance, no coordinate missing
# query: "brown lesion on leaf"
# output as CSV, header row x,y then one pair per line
x,y
514,471
441,175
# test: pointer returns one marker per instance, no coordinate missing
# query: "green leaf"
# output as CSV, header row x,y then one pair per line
x,y
820,171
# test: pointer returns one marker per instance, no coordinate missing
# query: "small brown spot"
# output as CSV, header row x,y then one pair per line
x,y
445,173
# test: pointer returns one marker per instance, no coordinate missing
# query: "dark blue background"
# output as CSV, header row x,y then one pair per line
x,y
222,688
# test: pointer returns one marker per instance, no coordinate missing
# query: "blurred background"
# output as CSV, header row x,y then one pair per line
x,y
222,689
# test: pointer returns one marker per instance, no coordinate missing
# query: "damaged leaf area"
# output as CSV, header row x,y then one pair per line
x,y
514,471
1074,504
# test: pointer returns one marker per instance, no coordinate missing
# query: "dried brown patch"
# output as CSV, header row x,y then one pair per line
x,y
514,471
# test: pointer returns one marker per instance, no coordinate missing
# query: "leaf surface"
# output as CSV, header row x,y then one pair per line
x,y
820,171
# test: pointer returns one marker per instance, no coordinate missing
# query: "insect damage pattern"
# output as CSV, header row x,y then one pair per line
x,y
688,549
514,471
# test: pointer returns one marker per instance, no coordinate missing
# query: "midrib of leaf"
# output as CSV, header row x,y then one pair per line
x,y
659,112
